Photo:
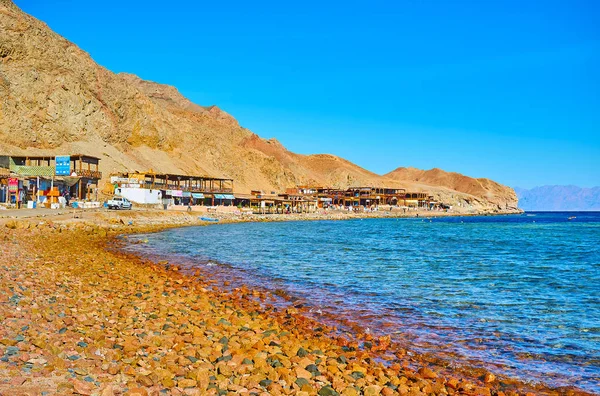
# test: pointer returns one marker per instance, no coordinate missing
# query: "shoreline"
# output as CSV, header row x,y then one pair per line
x,y
356,325
100,239
351,330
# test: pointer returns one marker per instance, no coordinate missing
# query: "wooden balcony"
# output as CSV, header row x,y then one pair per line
x,y
88,174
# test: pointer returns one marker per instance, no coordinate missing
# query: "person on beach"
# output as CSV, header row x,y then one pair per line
x,y
67,197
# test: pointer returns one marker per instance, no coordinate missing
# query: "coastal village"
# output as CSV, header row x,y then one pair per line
x,y
310,209
85,318
63,180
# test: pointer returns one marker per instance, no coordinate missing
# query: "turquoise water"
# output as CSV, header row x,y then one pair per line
x,y
517,294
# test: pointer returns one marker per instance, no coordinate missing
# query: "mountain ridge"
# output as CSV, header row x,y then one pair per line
x,y
559,198
54,98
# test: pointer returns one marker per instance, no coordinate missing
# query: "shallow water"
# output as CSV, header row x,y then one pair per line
x,y
516,294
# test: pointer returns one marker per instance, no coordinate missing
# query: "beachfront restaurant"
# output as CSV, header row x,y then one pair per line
x,y
174,189
261,203
257,201
350,197
42,175
323,196
330,196
364,197
417,200
375,196
361,196
389,196
296,203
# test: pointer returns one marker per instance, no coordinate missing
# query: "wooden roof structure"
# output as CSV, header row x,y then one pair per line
x,y
174,181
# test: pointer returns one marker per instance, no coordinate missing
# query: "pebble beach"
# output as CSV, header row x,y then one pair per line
x,y
80,316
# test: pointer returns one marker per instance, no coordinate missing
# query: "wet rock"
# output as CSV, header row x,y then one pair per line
x,y
427,373
82,388
489,377
137,392
452,383
186,383
481,391
372,390
327,391
302,353
386,391
303,373
17,381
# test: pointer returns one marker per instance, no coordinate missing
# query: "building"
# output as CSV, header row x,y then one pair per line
x,y
417,200
5,175
153,188
288,202
366,196
77,174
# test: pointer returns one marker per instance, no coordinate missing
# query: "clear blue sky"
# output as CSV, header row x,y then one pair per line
x,y
503,89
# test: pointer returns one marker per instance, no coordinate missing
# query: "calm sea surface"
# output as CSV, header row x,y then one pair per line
x,y
517,294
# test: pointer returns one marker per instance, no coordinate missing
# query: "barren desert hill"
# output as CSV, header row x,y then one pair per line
x,y
482,189
54,99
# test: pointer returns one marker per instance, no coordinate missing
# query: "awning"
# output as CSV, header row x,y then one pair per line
x,y
198,195
228,196
186,194
177,193
325,199
219,196
70,181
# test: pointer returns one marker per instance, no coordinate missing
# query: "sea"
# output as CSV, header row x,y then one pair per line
x,y
517,294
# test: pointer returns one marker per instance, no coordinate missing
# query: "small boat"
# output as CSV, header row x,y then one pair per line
x,y
208,219
571,217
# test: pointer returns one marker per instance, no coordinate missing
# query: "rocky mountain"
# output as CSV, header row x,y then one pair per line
x,y
454,188
559,198
54,99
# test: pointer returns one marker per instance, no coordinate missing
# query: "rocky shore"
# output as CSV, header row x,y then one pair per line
x,y
80,317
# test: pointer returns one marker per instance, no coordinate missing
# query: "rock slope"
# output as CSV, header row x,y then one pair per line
x,y
457,189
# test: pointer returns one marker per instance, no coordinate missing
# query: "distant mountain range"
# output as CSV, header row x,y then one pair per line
x,y
559,198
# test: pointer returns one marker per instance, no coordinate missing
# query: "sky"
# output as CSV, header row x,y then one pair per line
x,y
508,90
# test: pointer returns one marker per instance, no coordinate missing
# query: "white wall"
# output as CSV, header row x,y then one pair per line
x,y
140,195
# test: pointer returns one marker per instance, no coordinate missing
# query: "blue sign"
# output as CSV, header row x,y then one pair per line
x,y
63,165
